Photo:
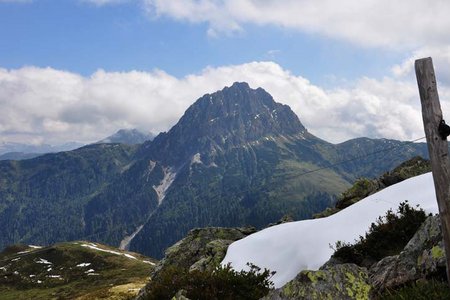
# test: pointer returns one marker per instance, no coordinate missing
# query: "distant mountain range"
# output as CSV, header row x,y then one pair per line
x,y
235,158
18,151
26,151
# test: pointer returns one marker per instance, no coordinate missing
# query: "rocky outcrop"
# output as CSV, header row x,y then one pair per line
x,y
202,249
346,281
423,257
365,187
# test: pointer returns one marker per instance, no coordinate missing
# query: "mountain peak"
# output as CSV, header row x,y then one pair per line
x,y
127,136
228,118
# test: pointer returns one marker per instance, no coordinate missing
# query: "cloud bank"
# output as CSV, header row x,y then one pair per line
x,y
402,24
55,106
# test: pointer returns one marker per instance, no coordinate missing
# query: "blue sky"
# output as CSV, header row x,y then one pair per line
x,y
83,37
82,69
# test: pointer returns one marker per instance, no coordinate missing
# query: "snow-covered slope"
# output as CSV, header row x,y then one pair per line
x,y
305,245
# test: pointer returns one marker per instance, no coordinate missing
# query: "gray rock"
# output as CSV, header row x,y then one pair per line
x,y
422,257
346,281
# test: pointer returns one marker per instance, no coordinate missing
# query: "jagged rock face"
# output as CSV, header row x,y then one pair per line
x,y
422,257
346,281
238,114
223,120
202,249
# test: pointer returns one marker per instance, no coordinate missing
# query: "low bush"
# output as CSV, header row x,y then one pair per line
x,y
222,283
387,236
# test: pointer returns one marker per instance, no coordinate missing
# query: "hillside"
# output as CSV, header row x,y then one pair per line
x,y
235,158
73,270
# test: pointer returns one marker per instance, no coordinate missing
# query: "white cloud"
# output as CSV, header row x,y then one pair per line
x,y
441,62
53,106
382,23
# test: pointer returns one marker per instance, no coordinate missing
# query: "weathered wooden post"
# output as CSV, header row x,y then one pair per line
x,y
436,133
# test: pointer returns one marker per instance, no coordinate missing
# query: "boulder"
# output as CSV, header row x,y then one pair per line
x,y
346,281
422,257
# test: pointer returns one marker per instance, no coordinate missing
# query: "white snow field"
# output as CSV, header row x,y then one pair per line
x,y
305,245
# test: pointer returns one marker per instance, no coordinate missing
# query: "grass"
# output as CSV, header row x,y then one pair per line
x,y
426,290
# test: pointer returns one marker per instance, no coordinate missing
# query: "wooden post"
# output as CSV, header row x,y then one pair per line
x,y
437,145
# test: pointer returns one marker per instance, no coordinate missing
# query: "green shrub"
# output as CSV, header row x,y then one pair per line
x,y
388,236
222,283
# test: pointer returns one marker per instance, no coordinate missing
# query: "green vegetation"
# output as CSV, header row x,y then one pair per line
x,y
388,236
222,283
71,270
423,290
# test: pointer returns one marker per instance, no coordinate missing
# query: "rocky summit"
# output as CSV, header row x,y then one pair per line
x,y
235,158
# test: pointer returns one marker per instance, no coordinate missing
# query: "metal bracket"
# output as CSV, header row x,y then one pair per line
x,y
444,130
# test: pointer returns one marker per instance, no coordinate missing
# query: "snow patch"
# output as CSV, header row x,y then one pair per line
x,y
82,265
23,252
125,243
166,182
196,159
129,256
304,245
43,261
148,262
3,268
54,276
35,247
89,271
32,275
95,247
49,269
93,274
15,259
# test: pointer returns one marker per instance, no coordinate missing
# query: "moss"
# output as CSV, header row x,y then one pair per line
x,y
315,276
437,252
419,260
357,288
